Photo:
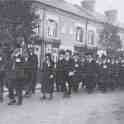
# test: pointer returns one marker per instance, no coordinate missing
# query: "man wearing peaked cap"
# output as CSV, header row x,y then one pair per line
x,y
69,51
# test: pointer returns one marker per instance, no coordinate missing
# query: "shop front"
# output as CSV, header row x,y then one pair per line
x,y
84,50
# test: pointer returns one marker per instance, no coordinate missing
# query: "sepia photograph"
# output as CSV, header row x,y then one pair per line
x,y
61,62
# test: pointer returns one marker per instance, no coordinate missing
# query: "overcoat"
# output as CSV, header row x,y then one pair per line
x,y
48,76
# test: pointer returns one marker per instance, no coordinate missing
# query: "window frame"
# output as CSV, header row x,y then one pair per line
x,y
90,37
79,34
54,32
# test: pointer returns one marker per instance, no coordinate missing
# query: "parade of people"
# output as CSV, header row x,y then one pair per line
x,y
68,75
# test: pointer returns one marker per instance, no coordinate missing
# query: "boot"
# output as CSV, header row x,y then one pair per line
x,y
28,94
12,102
19,102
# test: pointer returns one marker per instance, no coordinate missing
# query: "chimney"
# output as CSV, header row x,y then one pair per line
x,y
112,15
88,4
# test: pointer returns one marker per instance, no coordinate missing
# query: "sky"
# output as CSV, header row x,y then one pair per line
x,y
102,5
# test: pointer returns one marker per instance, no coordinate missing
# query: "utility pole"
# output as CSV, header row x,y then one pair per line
x,y
43,38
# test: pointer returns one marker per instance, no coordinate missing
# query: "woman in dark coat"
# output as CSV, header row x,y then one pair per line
x,y
48,77
77,69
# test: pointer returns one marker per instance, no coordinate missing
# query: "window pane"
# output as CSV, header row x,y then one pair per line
x,y
90,37
79,34
52,28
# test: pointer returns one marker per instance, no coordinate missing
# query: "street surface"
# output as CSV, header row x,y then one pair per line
x,y
81,108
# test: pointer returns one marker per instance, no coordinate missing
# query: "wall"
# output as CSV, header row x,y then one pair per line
x,y
67,28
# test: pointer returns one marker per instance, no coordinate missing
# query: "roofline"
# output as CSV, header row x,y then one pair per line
x,y
32,1
87,19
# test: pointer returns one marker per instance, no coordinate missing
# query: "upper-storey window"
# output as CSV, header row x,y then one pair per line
x,y
79,34
37,29
52,28
90,37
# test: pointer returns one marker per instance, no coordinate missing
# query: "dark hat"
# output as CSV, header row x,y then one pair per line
x,y
48,54
61,52
69,51
76,54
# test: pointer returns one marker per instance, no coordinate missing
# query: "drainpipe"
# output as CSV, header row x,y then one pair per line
x,y
86,33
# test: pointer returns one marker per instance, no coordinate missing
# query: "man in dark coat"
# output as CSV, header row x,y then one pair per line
x,y
110,66
69,73
121,75
77,71
116,74
98,69
103,75
90,74
18,82
48,77
2,74
33,66
60,75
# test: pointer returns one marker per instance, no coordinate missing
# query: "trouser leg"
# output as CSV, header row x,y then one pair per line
x,y
51,88
11,89
69,86
62,86
19,91
11,93
29,85
19,95
1,90
33,86
58,85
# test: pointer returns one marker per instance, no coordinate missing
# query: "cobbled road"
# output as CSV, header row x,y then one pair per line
x,y
81,108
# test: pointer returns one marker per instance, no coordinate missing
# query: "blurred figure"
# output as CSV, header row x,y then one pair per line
x,y
90,67
32,63
2,76
113,73
69,73
60,75
77,71
18,83
102,85
121,84
48,77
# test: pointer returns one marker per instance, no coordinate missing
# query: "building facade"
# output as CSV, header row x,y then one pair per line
x,y
66,26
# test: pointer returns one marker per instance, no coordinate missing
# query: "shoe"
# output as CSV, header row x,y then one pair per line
x,y
43,98
27,95
12,102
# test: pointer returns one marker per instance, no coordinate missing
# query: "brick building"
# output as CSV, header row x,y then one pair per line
x,y
66,26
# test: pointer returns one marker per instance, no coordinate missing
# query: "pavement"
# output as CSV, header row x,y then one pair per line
x,y
81,108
